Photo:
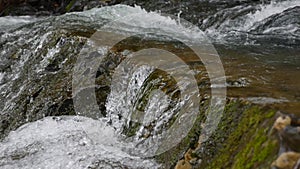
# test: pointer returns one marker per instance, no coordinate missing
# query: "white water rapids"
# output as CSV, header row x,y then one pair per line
x,y
67,142
80,142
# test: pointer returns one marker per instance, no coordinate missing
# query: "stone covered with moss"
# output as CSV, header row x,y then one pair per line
x,y
242,140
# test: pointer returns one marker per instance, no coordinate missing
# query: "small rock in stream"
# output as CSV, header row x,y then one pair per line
x,y
288,127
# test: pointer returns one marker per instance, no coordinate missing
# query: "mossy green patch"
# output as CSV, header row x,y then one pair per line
x,y
240,141
70,5
248,145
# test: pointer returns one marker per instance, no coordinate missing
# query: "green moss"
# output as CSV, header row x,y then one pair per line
x,y
255,152
240,142
249,145
70,5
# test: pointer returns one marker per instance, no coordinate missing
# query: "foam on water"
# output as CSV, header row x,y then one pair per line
x,y
1,76
267,11
10,22
67,142
125,18
236,23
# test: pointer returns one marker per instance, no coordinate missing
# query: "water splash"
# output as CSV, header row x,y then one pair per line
x,y
265,11
240,23
11,22
67,142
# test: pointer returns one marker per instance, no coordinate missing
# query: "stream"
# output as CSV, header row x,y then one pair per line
x,y
68,100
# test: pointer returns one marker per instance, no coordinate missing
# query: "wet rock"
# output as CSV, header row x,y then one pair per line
x,y
288,160
49,7
30,7
37,82
288,128
240,141
80,5
282,122
241,82
182,164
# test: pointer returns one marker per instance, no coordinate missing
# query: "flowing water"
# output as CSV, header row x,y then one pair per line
x,y
266,53
257,43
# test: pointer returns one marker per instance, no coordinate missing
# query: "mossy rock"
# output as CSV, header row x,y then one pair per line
x,y
249,144
241,141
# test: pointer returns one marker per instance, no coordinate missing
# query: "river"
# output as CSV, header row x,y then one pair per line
x,y
48,68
